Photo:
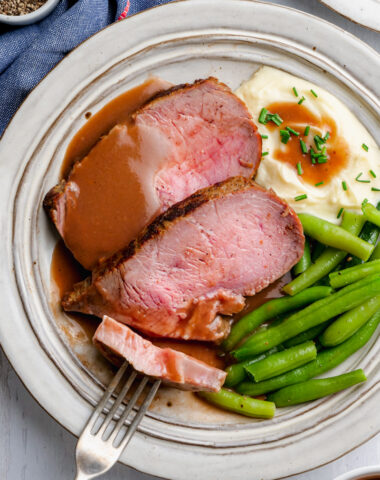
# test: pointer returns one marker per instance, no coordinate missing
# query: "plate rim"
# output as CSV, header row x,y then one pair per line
x,y
142,13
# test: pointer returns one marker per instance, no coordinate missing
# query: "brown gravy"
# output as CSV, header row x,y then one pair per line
x,y
111,199
111,172
66,271
337,148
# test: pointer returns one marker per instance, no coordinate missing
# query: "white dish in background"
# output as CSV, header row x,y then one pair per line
x,y
363,12
175,42
29,18
372,472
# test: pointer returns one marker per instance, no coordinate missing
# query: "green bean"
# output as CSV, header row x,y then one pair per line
x,y
305,260
251,407
376,253
307,335
328,260
370,234
269,310
316,313
353,274
326,360
282,362
236,372
314,389
346,325
335,236
371,214
317,250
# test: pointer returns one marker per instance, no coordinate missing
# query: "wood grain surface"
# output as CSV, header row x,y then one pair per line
x,y
34,447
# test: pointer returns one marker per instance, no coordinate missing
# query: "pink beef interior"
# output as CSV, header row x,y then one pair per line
x,y
179,281
173,367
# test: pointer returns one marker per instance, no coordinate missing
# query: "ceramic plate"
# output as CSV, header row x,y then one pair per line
x,y
180,42
364,12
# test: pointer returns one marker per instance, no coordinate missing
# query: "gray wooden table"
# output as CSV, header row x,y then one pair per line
x,y
34,447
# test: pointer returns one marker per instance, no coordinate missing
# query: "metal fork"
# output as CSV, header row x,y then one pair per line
x,y
100,445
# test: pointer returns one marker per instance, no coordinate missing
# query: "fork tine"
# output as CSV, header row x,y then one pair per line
x,y
117,403
128,409
107,394
141,412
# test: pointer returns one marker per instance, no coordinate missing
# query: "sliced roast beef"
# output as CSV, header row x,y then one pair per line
x,y
173,367
184,139
195,262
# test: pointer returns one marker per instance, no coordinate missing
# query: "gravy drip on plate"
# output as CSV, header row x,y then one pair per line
x,y
116,168
110,198
66,271
297,117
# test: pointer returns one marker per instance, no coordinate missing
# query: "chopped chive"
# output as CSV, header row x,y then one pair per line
x,y
365,201
364,147
295,91
344,185
322,159
303,146
264,136
318,184
301,100
374,189
275,118
325,138
372,173
300,197
285,135
319,141
264,153
323,152
340,213
313,161
299,168
307,130
294,132
312,91
361,181
263,116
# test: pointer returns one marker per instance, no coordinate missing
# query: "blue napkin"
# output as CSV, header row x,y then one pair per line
x,y
28,53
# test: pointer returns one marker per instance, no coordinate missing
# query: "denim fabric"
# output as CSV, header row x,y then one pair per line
x,y
28,53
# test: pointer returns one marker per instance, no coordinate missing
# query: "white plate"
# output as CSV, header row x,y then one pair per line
x,y
364,12
180,42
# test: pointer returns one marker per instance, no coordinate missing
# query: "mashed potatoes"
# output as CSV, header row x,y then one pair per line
x,y
292,173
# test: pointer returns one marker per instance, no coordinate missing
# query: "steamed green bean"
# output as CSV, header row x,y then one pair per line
x,y
269,310
346,325
251,407
326,360
282,362
314,389
353,274
236,373
317,250
307,335
329,259
326,308
335,236
370,234
371,214
376,253
305,261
